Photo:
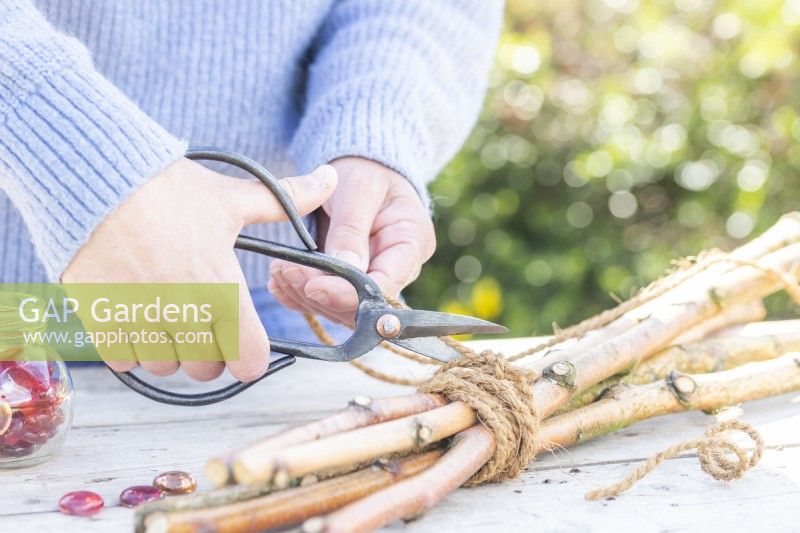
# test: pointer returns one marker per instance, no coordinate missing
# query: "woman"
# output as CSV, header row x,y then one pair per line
x,y
98,101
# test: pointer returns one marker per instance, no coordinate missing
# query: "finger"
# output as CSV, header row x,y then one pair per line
x,y
348,234
201,361
288,297
122,366
166,364
124,360
254,202
291,279
333,294
395,267
253,357
203,370
284,290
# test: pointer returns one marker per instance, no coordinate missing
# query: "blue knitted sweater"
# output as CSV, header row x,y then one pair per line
x,y
97,96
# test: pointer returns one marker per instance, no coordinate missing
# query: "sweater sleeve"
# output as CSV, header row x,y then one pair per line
x,y
72,146
397,82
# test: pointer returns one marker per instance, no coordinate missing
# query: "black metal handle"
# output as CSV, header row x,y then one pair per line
x,y
148,390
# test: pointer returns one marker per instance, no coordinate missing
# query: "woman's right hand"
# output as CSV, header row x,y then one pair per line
x,y
180,227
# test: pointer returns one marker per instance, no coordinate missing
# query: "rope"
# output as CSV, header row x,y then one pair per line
x,y
501,395
681,270
711,451
324,337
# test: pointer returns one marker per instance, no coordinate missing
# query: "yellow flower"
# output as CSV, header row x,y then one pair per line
x,y
487,298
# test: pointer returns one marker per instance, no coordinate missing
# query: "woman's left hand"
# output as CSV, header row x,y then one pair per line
x,y
374,220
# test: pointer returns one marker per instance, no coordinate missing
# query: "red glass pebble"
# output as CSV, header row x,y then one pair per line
x,y
175,482
39,370
139,494
80,503
28,375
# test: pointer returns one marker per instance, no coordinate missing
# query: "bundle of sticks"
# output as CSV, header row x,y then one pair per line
x,y
674,347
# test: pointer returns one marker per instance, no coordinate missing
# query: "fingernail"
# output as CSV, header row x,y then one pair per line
x,y
351,258
293,275
321,297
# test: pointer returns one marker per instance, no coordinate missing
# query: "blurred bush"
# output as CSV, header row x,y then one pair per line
x,y
616,136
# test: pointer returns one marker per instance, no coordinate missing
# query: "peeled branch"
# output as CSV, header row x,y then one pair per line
x,y
726,351
626,405
290,506
360,412
682,392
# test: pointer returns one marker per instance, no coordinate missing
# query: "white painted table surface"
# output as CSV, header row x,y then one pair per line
x,y
120,439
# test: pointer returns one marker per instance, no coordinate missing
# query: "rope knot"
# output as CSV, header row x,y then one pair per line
x,y
712,451
712,448
501,395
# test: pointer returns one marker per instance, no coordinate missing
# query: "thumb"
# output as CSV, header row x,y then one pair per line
x,y
349,231
255,203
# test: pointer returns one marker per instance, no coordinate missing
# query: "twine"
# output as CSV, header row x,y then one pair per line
x,y
712,449
501,395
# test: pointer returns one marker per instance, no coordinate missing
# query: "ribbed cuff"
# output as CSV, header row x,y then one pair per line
x,y
361,121
72,148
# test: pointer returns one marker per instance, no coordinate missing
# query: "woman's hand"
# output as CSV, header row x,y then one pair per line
x,y
180,226
374,220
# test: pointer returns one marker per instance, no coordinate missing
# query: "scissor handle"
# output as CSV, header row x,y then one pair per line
x,y
148,390
368,291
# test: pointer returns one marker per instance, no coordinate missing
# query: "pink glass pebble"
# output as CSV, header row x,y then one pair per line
x,y
80,503
139,494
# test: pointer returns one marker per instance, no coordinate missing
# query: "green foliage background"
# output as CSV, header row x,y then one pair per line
x,y
616,136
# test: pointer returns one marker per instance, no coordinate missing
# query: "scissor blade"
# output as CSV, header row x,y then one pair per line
x,y
417,323
429,347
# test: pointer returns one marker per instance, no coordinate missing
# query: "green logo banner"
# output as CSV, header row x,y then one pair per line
x,y
119,321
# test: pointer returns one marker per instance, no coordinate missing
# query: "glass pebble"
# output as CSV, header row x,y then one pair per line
x,y
139,494
175,482
80,503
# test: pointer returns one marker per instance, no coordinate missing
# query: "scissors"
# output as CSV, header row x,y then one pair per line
x,y
376,320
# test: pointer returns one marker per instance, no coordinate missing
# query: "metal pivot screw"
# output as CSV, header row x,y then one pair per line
x,y
388,326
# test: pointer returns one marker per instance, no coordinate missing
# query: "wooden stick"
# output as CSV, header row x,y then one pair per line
x,y
361,411
396,436
291,506
680,392
680,310
198,500
784,232
405,499
742,313
711,355
747,311
673,313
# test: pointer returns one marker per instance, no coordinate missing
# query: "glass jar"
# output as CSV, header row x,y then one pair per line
x,y
35,393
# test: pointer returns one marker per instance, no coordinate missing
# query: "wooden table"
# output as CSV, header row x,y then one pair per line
x,y
119,439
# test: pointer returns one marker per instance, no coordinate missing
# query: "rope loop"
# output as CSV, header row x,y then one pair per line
x,y
711,451
714,450
501,395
